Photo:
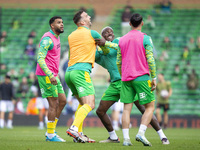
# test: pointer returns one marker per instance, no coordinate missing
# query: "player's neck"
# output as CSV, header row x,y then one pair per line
x,y
138,28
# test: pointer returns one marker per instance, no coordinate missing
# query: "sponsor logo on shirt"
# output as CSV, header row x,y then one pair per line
x,y
143,96
58,46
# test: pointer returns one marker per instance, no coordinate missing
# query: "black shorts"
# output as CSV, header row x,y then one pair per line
x,y
164,106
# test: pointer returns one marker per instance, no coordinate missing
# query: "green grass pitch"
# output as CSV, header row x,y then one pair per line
x,y
30,138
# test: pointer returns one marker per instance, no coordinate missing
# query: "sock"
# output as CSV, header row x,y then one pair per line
x,y
9,123
81,115
161,134
115,124
126,133
2,123
56,121
81,133
41,124
80,128
50,127
45,120
113,135
142,129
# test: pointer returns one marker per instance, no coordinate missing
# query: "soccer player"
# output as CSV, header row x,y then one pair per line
x,y
48,60
6,102
163,92
82,49
112,94
136,62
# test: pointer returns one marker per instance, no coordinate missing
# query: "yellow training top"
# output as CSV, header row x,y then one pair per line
x,y
82,47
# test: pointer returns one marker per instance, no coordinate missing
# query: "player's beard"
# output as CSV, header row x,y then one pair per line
x,y
59,31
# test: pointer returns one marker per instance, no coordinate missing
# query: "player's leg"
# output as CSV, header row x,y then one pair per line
x,y
110,97
39,106
146,98
2,122
41,122
46,106
10,120
53,103
80,129
158,115
80,84
165,115
61,98
126,123
10,106
154,123
127,95
105,119
116,108
101,113
61,104
2,113
50,92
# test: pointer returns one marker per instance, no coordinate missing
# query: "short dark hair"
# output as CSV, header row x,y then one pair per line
x,y
53,19
77,16
136,20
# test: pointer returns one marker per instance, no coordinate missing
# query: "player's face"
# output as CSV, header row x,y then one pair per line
x,y
160,77
108,34
86,19
58,26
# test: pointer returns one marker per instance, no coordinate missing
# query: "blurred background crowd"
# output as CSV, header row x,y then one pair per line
x,y
175,32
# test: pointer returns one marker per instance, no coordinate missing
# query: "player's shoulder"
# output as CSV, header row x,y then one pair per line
x,y
116,40
46,40
146,36
147,40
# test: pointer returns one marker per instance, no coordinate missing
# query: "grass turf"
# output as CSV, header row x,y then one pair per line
x,y
30,138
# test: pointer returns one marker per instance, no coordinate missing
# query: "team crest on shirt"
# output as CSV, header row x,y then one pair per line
x,y
81,89
42,90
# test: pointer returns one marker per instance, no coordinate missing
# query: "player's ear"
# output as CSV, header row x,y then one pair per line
x,y
82,22
52,26
130,23
142,23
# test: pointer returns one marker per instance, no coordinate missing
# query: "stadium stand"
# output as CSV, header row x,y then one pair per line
x,y
179,26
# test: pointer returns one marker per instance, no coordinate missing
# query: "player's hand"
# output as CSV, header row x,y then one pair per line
x,y
100,42
53,81
153,85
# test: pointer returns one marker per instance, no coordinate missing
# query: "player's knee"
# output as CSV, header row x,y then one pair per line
x,y
63,102
99,112
92,106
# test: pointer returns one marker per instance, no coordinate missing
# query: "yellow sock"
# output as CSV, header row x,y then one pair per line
x,y
81,114
80,129
50,127
56,121
79,106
